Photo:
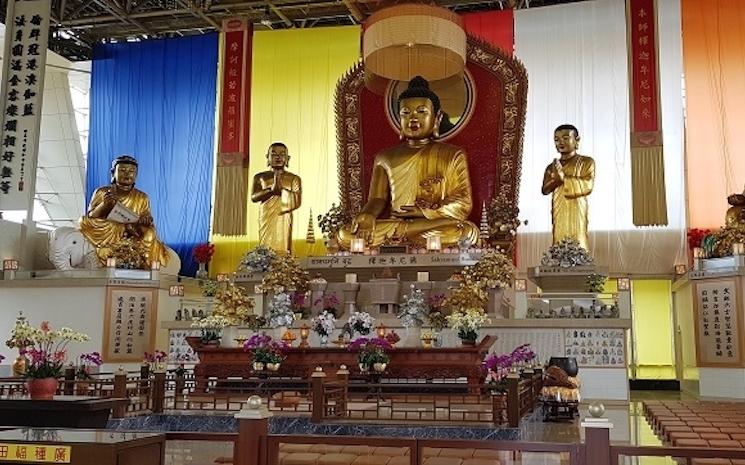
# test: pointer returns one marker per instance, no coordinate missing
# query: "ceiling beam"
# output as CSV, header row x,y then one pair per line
x,y
354,10
281,15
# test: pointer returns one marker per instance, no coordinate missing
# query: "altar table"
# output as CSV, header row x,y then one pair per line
x,y
405,362
62,411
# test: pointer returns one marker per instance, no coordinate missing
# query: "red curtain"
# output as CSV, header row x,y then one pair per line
x,y
496,27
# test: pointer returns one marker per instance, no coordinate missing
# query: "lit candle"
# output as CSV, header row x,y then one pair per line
x,y
434,243
155,265
357,245
698,252
111,262
422,276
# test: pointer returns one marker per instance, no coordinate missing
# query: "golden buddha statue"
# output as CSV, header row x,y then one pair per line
x,y
105,230
279,193
735,217
423,183
570,179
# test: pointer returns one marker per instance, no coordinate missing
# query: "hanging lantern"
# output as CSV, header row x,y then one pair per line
x,y
407,40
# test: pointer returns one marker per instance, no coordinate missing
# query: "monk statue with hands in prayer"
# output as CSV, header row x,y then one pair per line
x,y
420,187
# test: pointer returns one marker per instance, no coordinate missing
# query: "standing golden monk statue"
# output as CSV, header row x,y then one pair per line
x,y
119,213
420,187
570,180
279,193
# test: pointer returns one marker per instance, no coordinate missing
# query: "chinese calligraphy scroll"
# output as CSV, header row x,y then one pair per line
x,y
129,324
26,38
647,163
718,331
231,186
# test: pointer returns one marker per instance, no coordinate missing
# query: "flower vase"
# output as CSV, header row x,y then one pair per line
x,y
272,366
42,388
438,340
229,335
20,364
468,342
81,388
258,366
332,246
413,337
379,367
324,340
202,271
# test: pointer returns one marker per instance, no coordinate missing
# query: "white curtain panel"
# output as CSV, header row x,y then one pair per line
x,y
576,57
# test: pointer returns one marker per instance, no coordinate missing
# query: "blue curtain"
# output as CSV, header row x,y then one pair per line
x,y
156,100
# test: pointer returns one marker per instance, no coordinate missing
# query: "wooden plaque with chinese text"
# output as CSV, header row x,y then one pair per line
x,y
718,323
129,323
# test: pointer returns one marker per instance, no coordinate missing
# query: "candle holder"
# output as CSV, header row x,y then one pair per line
x,y
155,265
698,252
304,334
434,243
381,329
111,262
357,246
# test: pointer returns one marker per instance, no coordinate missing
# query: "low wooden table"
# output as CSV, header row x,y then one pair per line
x,y
405,362
558,410
82,447
61,412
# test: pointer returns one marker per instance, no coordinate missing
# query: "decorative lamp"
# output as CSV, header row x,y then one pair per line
x,y
176,290
407,40
288,337
155,265
111,262
304,333
624,284
698,252
521,285
381,330
434,243
10,264
681,270
357,245
738,248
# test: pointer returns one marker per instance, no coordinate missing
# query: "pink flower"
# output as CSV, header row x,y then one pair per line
x,y
59,356
45,326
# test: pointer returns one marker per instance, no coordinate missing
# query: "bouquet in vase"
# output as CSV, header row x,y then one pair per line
x,y
203,252
323,325
280,311
264,350
85,364
467,322
361,322
372,353
330,303
258,260
414,310
211,327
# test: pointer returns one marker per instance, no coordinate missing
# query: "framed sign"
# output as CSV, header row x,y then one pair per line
x,y
129,323
596,347
718,325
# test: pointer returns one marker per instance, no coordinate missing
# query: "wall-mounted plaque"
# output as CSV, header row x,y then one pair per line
x,y
129,324
718,325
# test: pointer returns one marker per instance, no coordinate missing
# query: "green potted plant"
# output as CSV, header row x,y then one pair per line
x,y
372,353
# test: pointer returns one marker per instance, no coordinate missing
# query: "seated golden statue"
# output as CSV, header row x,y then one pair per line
x,y
569,179
105,230
422,182
735,217
280,193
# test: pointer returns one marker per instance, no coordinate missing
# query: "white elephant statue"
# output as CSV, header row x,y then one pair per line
x,y
69,250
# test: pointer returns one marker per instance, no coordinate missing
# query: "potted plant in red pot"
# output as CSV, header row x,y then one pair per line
x,y
47,352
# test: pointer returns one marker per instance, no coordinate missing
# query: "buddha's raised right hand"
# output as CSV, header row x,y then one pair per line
x,y
363,222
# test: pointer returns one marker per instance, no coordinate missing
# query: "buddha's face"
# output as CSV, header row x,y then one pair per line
x,y
418,117
277,156
125,174
566,141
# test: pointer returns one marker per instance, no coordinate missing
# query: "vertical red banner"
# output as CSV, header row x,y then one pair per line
x,y
642,23
236,87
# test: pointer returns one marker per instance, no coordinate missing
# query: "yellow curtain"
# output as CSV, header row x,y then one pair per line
x,y
713,50
292,101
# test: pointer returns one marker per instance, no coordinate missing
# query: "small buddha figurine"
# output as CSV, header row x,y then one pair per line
x,y
420,187
569,179
735,217
279,193
104,233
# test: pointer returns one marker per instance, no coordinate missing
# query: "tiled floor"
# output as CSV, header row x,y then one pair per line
x,y
629,427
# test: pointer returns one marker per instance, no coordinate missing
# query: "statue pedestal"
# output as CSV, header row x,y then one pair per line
x,y
384,294
558,279
252,283
349,290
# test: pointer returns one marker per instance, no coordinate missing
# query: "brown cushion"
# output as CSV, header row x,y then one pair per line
x,y
326,448
683,435
460,453
301,458
400,460
487,454
442,461
359,450
481,462
710,436
686,442
372,460
337,459
710,462
431,451
555,376
295,447
724,443
391,451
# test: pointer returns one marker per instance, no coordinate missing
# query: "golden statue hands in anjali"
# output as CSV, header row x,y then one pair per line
x,y
569,179
422,182
105,232
280,193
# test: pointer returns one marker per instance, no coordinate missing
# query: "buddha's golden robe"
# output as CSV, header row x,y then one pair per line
x,y
435,178
104,234
275,216
569,199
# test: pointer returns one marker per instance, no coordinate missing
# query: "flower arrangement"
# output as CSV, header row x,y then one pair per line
x,y
209,288
285,275
392,337
297,300
371,350
211,327
324,324
203,252
333,220
156,357
467,322
280,311
413,311
361,322
234,304
130,255
19,335
696,237
258,260
719,243
330,303
595,282
502,220
46,348
498,366
492,271
566,254
255,322
467,295
85,364
264,349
